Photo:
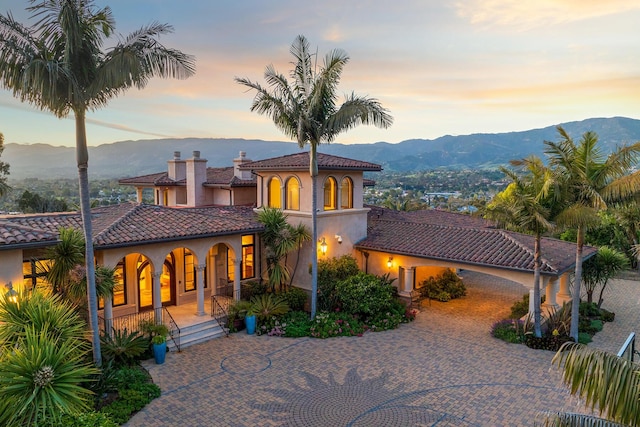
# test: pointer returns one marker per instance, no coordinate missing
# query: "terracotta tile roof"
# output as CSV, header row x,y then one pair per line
x,y
225,177
154,179
430,216
300,161
215,177
16,236
442,237
132,224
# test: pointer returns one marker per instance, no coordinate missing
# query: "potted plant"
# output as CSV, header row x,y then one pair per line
x,y
237,313
250,321
159,342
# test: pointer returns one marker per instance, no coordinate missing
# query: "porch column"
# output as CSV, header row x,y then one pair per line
x,y
564,294
157,297
407,287
108,317
200,288
550,294
236,279
139,194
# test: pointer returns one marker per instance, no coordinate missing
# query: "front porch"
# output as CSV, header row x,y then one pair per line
x,y
185,325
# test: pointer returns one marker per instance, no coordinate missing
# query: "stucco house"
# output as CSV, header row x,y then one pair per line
x,y
200,238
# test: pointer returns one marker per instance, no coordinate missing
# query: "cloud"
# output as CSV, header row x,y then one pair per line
x,y
528,14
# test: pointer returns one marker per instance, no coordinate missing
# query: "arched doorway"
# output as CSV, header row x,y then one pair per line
x,y
145,283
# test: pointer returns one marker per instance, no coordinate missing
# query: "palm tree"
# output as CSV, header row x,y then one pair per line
x,y
592,181
597,270
58,65
305,110
527,205
605,381
300,235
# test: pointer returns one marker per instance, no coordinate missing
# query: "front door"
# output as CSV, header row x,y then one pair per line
x,y
145,285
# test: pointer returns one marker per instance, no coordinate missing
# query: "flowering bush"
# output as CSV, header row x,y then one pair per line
x,y
335,324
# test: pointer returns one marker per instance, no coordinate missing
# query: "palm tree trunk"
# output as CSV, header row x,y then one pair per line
x,y
536,287
575,297
82,158
313,170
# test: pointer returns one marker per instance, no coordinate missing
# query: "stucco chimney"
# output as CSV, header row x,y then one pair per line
x,y
196,171
241,174
176,167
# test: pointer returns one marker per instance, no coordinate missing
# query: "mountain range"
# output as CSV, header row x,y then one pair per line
x,y
482,150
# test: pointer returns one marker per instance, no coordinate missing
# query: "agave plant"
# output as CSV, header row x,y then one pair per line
x,y
267,305
42,312
123,347
41,380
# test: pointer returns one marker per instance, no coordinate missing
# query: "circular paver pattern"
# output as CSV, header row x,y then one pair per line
x,y
245,363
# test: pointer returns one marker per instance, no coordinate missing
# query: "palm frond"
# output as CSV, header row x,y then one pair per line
x,y
605,381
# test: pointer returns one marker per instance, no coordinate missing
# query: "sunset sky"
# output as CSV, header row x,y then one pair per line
x,y
440,67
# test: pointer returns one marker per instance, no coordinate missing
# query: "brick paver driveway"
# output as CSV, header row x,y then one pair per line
x,y
443,369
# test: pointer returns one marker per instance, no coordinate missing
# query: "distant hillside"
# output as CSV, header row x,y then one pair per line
x,y
130,158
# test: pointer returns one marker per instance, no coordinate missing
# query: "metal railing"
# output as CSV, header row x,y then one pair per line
x,y
134,323
220,312
174,330
628,349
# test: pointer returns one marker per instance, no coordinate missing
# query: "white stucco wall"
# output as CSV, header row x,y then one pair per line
x,y
11,268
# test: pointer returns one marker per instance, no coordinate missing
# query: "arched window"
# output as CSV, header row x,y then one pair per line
x,y
330,194
292,195
274,199
346,193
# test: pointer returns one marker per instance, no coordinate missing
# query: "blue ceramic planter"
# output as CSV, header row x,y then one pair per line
x,y
250,322
160,352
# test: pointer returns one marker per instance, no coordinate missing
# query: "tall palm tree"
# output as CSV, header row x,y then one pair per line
x,y
597,270
305,110
605,381
592,181
527,205
58,65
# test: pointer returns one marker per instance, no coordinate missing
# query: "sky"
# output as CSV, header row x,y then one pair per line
x,y
440,67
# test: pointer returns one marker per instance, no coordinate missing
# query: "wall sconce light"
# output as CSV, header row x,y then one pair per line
x,y
390,262
339,238
323,246
11,293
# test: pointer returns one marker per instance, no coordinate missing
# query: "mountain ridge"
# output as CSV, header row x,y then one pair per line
x,y
480,150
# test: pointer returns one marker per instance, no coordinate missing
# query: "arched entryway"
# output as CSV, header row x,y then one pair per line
x,y
144,275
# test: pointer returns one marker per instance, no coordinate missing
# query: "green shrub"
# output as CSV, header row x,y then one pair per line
x,y
298,324
584,338
589,309
332,324
87,419
135,391
519,309
508,330
296,298
596,325
443,287
124,347
365,294
330,272
252,289
607,316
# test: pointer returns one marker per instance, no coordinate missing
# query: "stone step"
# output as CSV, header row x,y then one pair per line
x,y
195,334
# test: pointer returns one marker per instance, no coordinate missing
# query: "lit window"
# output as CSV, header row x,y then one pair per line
x,y
274,199
330,187
248,249
119,290
189,271
346,193
34,273
293,194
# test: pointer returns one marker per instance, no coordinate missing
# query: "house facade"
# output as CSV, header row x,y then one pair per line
x,y
201,235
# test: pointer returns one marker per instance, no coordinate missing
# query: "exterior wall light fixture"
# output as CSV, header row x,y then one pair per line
x,y
390,262
11,293
339,238
323,246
